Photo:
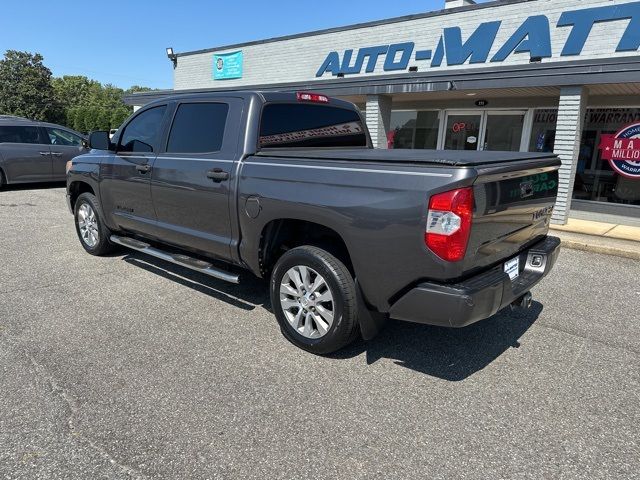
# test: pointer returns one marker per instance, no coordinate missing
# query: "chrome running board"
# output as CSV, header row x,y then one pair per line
x,y
178,259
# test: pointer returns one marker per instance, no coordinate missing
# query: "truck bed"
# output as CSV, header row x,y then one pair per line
x,y
451,158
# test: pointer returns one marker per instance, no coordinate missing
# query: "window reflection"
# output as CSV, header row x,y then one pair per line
x,y
595,179
414,129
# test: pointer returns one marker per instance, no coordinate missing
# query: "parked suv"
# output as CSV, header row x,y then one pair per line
x,y
32,151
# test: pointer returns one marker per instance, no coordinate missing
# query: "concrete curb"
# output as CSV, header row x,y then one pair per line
x,y
597,237
603,249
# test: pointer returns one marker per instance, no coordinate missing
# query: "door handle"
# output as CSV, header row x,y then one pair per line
x,y
217,175
44,153
143,168
56,154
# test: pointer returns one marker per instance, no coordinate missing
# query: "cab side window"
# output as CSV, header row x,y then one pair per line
x,y
141,134
63,138
198,128
20,134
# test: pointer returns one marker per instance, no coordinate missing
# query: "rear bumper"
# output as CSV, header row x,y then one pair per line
x,y
479,297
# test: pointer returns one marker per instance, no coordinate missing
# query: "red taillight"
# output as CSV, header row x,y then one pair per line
x,y
311,97
449,223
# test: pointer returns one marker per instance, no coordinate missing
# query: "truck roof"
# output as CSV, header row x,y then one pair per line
x,y
264,97
13,120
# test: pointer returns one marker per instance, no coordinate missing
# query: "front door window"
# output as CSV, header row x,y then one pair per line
x,y
141,134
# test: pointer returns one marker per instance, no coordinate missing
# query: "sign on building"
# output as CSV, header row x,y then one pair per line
x,y
227,66
623,151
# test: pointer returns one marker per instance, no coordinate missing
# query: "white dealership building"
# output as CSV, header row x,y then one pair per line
x,y
520,75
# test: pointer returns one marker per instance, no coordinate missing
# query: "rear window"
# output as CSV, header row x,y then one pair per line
x,y
302,125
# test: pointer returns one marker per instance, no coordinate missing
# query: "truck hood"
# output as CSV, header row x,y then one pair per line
x,y
453,158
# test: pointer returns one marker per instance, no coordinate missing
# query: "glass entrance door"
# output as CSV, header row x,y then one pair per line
x,y
485,130
463,131
503,131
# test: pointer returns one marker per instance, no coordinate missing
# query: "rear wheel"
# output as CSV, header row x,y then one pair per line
x,y
92,232
314,299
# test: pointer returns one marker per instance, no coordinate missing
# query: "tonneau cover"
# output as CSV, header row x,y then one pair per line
x,y
433,157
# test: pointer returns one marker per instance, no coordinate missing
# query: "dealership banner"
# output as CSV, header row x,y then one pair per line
x,y
622,150
227,66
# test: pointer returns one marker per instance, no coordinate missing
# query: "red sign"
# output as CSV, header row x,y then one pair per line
x,y
622,150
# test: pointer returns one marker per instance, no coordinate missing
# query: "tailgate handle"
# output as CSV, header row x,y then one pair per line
x,y
218,175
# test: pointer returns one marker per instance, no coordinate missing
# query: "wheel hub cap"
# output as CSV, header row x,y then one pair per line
x,y
307,301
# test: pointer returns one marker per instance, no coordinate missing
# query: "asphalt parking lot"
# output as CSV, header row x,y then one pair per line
x,y
126,367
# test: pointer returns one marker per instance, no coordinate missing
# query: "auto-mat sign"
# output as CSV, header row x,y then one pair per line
x,y
533,36
622,150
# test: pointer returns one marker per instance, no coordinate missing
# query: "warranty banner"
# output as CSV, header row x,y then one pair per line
x,y
622,150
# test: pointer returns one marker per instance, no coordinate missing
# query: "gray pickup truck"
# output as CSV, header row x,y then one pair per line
x,y
288,187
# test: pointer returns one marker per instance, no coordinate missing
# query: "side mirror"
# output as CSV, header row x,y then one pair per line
x,y
100,140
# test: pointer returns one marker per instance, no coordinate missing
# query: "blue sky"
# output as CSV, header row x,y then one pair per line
x,y
123,42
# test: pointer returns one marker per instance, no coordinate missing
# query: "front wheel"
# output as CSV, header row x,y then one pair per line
x,y
92,232
314,299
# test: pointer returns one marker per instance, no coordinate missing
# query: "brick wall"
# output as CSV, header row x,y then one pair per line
x,y
378,116
571,112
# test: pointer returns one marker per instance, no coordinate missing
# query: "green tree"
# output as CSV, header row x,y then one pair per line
x,y
119,115
70,117
25,87
110,96
137,89
76,90
104,119
79,119
91,119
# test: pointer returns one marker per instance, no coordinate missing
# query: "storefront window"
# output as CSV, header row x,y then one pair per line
x,y
543,134
595,179
414,129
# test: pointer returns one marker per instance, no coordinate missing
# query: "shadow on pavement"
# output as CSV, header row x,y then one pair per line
x,y
250,294
449,354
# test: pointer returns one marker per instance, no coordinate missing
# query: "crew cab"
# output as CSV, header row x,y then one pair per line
x,y
287,187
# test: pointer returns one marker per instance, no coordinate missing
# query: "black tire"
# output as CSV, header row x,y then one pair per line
x,y
103,246
344,328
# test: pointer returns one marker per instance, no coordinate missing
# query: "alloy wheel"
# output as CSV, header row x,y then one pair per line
x,y
88,225
307,301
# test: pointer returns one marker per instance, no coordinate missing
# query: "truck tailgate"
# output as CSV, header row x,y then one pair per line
x,y
513,206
